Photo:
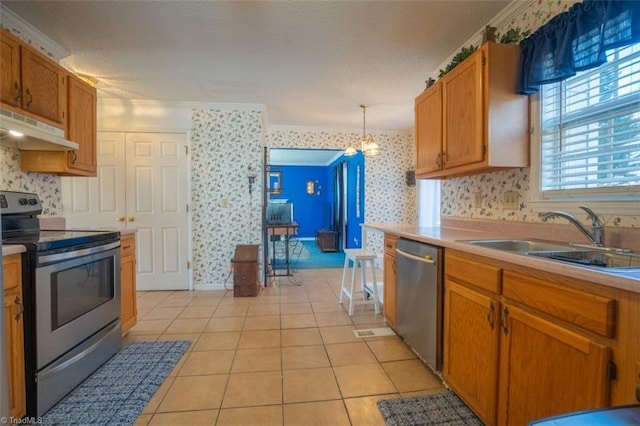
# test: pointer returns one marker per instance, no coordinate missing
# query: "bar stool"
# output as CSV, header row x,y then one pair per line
x,y
360,258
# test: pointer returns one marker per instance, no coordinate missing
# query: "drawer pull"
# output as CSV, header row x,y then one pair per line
x,y
505,319
20,308
18,95
29,98
126,247
490,315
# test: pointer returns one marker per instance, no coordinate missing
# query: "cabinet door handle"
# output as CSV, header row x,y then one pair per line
x,y
490,315
505,319
74,157
29,98
20,308
130,219
18,95
120,219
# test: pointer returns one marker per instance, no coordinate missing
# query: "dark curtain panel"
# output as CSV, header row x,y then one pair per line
x,y
577,40
338,203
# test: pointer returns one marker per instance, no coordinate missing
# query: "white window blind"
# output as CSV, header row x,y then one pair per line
x,y
590,131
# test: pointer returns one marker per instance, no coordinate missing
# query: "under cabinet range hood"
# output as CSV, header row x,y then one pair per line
x,y
28,134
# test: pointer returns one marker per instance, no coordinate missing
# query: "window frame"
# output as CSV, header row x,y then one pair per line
x,y
537,203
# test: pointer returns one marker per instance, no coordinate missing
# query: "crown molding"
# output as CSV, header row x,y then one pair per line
x,y
30,34
505,16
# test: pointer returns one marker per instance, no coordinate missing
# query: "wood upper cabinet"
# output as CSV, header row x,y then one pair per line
x,y
14,323
482,125
129,312
10,89
428,130
389,287
547,369
81,128
32,84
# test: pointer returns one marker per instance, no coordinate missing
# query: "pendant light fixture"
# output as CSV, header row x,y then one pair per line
x,y
367,145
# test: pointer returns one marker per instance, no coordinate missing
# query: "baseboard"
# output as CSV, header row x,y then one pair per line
x,y
206,287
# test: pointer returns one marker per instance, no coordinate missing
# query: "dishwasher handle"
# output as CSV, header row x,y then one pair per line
x,y
425,259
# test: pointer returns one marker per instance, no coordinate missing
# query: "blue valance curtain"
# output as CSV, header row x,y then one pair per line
x,y
577,40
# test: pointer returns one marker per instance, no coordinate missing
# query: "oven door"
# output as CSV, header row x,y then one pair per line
x,y
77,293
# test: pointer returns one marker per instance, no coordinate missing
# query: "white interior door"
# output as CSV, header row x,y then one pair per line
x,y
142,183
99,202
157,198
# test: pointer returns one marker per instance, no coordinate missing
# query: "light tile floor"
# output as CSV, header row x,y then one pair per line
x,y
286,357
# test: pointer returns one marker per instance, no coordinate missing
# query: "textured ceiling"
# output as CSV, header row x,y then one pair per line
x,y
311,63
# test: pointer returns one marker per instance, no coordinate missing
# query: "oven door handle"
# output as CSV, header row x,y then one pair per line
x,y
77,253
45,374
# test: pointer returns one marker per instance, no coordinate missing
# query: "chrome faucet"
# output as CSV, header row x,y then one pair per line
x,y
596,235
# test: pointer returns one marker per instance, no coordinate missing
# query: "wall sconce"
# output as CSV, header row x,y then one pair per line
x,y
251,175
311,187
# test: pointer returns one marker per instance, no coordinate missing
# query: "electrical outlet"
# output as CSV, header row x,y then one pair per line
x,y
477,199
224,203
510,200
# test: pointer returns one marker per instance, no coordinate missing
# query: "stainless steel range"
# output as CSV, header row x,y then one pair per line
x,y
71,292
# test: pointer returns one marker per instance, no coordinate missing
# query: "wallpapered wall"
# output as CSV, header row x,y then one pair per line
x,y
387,198
457,194
45,185
223,145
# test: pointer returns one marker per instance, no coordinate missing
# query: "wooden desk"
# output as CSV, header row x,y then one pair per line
x,y
286,230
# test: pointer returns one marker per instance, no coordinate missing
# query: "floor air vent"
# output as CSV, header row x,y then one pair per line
x,y
374,332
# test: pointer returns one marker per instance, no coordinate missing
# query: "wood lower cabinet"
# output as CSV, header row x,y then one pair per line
x,y
523,344
471,350
547,369
389,286
14,323
129,314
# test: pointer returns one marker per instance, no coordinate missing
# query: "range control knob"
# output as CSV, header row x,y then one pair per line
x,y
23,201
33,201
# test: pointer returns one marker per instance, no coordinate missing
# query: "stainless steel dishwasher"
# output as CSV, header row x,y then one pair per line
x,y
420,299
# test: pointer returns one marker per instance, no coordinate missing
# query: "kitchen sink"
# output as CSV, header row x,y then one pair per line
x,y
613,260
599,258
522,246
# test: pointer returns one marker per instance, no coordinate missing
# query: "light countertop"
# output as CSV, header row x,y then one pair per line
x,y
8,250
453,238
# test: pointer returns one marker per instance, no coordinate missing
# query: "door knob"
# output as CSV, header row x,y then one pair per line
x,y
130,219
120,219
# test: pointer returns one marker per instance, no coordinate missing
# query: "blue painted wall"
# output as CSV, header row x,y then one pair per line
x,y
310,211
313,212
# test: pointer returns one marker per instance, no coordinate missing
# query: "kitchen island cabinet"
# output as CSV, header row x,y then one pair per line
x,y
13,318
522,344
471,120
389,280
129,313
